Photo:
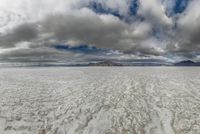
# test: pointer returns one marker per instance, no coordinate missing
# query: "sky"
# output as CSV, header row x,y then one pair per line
x,y
82,31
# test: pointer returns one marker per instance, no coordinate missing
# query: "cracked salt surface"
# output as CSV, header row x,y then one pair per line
x,y
100,100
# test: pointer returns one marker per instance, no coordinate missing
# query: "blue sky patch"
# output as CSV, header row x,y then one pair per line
x,y
180,6
81,49
133,7
99,8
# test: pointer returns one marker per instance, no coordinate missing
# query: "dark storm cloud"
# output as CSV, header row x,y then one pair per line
x,y
36,54
104,31
88,29
23,32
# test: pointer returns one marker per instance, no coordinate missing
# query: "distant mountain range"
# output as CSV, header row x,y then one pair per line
x,y
187,63
105,63
100,63
111,63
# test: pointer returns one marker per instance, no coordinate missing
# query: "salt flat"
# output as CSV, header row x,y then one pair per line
x,y
100,100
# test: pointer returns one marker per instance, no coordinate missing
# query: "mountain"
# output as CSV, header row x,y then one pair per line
x,y
105,63
187,63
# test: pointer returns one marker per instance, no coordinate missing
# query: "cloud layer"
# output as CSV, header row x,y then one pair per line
x,y
133,29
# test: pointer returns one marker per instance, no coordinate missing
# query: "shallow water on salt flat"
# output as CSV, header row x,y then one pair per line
x,y
100,100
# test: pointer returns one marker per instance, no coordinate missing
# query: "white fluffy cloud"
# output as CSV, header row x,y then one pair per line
x,y
154,12
186,39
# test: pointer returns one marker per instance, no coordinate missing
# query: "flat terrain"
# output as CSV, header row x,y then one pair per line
x,y
100,100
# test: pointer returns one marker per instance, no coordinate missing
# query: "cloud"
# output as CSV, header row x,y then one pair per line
x,y
189,21
104,31
154,12
24,32
188,30
39,54
153,28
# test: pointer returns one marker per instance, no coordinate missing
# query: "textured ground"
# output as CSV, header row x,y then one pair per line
x,y
100,100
